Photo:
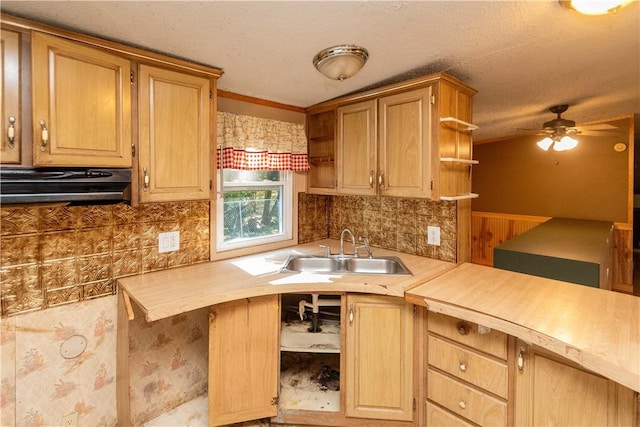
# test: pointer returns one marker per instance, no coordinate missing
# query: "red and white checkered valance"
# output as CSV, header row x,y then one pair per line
x,y
254,143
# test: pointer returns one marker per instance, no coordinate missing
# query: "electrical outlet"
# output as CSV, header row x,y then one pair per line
x,y
169,241
433,236
70,420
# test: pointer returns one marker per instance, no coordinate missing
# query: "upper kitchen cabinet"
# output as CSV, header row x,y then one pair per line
x,y
174,140
405,144
81,104
10,86
357,151
409,139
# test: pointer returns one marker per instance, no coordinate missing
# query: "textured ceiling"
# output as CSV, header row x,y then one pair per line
x,y
521,56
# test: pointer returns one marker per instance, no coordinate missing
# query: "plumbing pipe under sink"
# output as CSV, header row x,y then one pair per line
x,y
315,305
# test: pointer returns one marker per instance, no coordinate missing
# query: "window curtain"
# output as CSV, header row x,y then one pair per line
x,y
254,143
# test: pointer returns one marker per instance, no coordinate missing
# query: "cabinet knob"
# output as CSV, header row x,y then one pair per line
x,y
462,404
463,366
381,179
11,132
44,135
371,175
463,328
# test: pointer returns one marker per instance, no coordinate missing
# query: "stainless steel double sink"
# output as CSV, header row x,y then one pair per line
x,y
344,264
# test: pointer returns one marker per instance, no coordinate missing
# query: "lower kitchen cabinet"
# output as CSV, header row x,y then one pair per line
x,y
243,360
554,392
379,358
467,375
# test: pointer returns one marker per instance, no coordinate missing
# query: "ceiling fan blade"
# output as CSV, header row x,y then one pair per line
x,y
598,126
609,133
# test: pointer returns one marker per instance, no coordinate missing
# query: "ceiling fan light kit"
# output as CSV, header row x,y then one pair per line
x,y
340,62
595,7
559,131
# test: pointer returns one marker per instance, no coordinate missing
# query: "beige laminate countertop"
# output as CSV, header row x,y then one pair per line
x,y
598,329
166,293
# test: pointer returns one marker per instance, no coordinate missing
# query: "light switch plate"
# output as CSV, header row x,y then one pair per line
x,y
169,241
433,235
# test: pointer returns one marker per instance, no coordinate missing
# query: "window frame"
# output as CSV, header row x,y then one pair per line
x,y
286,182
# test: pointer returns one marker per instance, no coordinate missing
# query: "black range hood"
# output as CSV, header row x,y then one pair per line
x,y
82,186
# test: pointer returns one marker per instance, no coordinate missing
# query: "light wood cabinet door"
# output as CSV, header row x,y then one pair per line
x,y
379,358
10,86
81,105
552,393
243,360
356,157
404,139
174,140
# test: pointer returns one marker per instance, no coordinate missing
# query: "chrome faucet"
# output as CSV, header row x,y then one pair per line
x,y
353,241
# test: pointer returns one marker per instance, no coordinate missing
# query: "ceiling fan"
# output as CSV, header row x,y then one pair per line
x,y
559,132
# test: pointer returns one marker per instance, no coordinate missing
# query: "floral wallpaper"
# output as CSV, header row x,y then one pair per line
x,y
42,380
168,362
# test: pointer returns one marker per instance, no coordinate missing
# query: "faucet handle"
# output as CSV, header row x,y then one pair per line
x,y
366,246
327,250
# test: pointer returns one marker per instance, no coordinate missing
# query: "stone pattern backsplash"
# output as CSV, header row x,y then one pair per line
x,y
59,255
388,222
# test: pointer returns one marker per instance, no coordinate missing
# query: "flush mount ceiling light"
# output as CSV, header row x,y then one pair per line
x,y
595,7
340,62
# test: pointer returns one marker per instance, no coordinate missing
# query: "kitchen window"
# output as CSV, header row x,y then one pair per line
x,y
256,208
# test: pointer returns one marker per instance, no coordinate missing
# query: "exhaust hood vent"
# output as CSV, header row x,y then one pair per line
x,y
78,186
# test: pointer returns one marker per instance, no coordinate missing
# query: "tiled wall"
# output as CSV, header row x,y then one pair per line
x,y
388,222
60,255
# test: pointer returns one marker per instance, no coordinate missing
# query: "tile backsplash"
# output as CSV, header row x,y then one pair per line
x,y
59,255
388,222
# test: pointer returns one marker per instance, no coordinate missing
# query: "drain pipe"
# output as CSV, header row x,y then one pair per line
x,y
315,305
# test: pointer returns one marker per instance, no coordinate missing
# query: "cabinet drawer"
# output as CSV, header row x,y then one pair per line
x,y
472,367
466,401
436,416
466,333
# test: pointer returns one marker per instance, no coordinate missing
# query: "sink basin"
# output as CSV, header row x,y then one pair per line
x,y
386,265
344,265
312,264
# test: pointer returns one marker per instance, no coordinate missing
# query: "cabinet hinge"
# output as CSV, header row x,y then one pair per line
x,y
210,184
433,100
275,400
415,310
432,185
131,77
133,150
210,94
415,404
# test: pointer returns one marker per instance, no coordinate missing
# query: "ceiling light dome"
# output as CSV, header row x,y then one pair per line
x,y
595,7
340,62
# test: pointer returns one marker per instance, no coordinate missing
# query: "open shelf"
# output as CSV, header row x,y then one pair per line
x,y
295,337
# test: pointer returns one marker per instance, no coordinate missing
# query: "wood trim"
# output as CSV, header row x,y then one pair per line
x,y
259,101
123,398
392,89
122,49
